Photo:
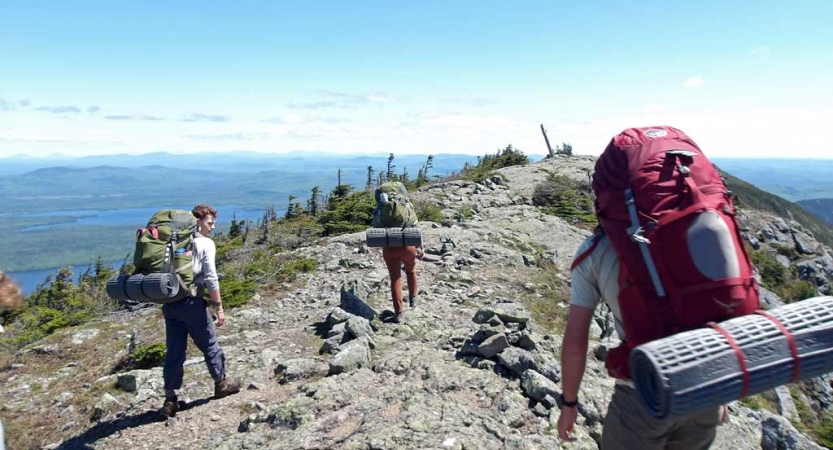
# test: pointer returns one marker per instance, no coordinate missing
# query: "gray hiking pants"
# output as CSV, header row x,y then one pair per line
x,y
186,317
628,426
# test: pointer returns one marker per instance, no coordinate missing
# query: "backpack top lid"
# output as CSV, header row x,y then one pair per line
x,y
394,190
628,151
645,160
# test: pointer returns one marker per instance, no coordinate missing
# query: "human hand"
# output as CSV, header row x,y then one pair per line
x,y
566,422
420,252
221,316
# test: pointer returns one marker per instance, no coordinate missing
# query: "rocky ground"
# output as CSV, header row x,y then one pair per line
x,y
474,366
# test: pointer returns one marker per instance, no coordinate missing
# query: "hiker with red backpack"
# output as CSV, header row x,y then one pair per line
x,y
190,316
666,257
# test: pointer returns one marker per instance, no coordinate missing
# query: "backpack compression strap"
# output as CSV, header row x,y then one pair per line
x,y
739,354
790,342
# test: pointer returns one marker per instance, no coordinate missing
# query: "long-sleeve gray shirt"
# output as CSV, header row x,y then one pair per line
x,y
205,269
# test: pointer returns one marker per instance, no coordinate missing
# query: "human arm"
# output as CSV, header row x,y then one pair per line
x,y
573,363
208,275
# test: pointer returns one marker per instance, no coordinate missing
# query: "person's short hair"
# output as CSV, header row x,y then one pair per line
x,y
202,211
11,296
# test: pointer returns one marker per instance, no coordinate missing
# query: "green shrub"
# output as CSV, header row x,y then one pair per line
x,y
488,163
786,250
796,290
148,356
466,211
566,198
144,357
347,213
289,270
427,210
773,274
237,291
824,431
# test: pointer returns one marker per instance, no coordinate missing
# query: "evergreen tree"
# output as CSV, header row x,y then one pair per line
x,y
370,172
290,207
391,166
314,200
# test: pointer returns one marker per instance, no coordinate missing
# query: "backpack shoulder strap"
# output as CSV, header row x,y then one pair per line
x,y
598,235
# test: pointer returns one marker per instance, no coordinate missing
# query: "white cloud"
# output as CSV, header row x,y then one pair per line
x,y
760,52
693,82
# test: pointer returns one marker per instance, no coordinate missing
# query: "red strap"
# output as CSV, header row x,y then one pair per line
x,y
790,341
739,354
580,258
154,232
139,232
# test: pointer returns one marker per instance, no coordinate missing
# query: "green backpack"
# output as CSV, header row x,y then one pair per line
x,y
393,209
164,246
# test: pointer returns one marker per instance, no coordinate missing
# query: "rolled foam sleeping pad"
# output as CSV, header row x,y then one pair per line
x,y
133,287
393,237
695,370
160,286
116,287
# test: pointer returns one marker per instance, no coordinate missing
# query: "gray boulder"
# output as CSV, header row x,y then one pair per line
x,y
356,306
492,346
805,243
352,355
517,360
104,405
537,386
551,370
332,343
777,433
337,316
506,312
359,326
133,380
300,368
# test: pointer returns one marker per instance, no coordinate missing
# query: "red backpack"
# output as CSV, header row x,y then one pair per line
x,y
671,221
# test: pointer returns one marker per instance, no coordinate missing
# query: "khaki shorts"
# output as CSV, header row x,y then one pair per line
x,y
628,426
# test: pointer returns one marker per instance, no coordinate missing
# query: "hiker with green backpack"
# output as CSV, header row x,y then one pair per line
x,y
190,315
394,210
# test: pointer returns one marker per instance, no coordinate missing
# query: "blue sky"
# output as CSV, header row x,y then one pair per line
x,y
429,77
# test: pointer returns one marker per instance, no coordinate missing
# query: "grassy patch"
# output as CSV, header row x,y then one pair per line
x,y
758,403
547,307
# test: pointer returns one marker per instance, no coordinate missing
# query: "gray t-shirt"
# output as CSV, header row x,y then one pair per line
x,y
597,278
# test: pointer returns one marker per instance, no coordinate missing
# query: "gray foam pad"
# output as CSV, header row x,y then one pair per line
x,y
698,369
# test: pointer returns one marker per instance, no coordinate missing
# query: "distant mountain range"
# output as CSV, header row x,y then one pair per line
x,y
245,179
238,161
819,207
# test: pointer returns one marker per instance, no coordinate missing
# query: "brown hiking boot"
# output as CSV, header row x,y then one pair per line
x,y
169,408
228,386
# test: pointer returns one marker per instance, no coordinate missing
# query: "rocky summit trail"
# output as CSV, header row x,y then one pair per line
x,y
474,366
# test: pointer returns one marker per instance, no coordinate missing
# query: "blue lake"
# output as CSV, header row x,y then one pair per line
x,y
30,279
134,216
